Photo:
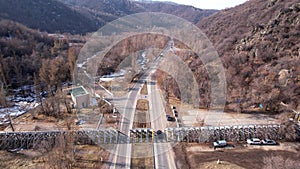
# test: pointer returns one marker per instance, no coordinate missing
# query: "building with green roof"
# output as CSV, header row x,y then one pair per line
x,y
80,97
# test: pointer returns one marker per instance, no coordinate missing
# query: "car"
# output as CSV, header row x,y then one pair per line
x,y
176,113
254,141
269,142
173,107
158,132
219,143
80,122
170,118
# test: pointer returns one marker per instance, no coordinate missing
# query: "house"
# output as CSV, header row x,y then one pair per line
x,y
80,97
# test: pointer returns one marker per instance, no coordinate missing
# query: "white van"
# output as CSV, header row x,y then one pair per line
x,y
220,143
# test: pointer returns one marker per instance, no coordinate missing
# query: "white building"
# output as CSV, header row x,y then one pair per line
x,y
80,97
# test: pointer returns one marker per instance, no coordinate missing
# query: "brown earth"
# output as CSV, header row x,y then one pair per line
x,y
259,47
241,156
144,90
141,120
142,104
220,164
83,157
142,156
141,116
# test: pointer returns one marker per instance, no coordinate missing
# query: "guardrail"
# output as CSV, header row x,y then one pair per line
x,y
31,139
207,134
239,133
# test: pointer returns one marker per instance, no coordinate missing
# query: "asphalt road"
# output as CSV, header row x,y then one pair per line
x,y
122,158
163,155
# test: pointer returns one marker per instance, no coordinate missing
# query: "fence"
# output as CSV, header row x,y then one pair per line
x,y
27,140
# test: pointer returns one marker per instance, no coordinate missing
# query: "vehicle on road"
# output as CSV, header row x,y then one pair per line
x,y
176,113
269,142
80,122
170,118
219,143
158,132
254,141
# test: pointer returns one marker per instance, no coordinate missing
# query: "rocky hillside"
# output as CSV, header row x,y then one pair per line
x,y
259,45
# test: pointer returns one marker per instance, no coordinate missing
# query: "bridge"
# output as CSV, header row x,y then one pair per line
x,y
239,133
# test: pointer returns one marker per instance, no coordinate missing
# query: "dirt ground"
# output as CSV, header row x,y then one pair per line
x,y
78,157
31,121
142,104
189,116
141,116
142,156
240,156
144,90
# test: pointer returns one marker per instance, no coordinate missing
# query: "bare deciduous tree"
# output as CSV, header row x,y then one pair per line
x,y
3,71
72,56
2,96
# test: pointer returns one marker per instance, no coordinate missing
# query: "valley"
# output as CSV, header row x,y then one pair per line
x,y
141,84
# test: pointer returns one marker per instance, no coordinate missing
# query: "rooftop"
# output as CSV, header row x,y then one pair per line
x,y
78,91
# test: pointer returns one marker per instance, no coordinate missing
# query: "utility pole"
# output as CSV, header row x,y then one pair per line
x,y
10,122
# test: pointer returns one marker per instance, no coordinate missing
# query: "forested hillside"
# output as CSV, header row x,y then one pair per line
x,y
108,10
83,16
24,51
47,15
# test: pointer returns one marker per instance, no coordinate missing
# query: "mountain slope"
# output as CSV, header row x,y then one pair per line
x,y
18,40
259,45
47,15
108,10
189,13
82,16
22,51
